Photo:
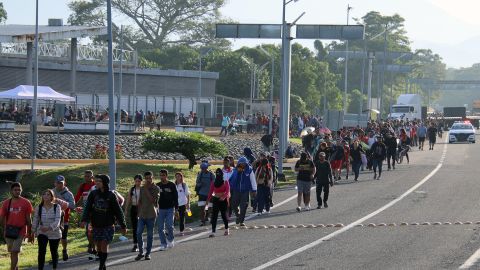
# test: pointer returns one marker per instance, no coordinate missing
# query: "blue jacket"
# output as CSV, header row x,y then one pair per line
x,y
244,181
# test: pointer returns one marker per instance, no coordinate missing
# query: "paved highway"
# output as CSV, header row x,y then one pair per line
x,y
423,215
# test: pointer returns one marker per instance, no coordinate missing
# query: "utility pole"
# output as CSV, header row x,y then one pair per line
x,y
346,66
112,167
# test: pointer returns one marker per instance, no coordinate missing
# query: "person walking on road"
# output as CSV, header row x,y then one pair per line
x,y
81,196
432,135
102,210
61,192
46,226
16,220
391,144
337,159
131,206
183,200
147,213
356,152
422,134
324,180
379,151
264,178
219,195
202,186
167,206
306,170
242,183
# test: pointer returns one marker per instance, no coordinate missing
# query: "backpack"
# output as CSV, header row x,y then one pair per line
x,y
378,150
62,215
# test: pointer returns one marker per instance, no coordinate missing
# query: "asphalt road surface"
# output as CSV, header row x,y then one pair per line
x,y
423,215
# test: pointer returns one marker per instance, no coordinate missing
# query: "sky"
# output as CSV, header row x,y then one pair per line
x,y
450,28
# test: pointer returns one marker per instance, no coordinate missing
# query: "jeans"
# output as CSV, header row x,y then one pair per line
x,y
223,128
240,200
181,216
149,223
391,155
377,163
263,194
356,164
326,190
165,222
219,206
42,250
134,222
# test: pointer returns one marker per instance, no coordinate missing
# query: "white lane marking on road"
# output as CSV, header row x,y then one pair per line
x,y
357,222
195,236
471,261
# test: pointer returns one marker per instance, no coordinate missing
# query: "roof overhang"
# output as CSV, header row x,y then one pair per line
x,y
26,33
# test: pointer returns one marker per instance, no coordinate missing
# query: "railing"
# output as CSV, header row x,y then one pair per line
x,y
61,51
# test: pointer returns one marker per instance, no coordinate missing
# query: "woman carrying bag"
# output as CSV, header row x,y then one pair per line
x,y
219,195
46,227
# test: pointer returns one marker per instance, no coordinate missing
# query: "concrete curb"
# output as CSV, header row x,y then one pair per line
x,y
105,161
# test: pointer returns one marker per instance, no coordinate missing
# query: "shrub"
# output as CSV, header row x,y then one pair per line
x,y
192,145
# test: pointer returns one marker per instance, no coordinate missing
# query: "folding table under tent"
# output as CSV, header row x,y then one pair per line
x,y
43,93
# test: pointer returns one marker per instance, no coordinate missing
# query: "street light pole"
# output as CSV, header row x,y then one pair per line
x,y
369,87
383,68
35,94
120,83
111,115
270,123
200,84
346,66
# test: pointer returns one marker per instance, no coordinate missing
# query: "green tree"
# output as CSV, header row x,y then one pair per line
x,y
356,101
297,105
3,13
157,23
191,145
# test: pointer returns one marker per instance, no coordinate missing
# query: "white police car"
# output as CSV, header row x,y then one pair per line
x,y
461,132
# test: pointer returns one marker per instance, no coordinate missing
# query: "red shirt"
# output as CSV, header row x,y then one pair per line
x,y
83,191
20,210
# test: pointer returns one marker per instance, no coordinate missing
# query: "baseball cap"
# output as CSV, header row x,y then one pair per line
x,y
204,165
59,178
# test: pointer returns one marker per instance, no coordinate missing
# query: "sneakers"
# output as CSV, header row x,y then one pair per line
x,y
135,248
92,254
139,257
65,255
211,235
170,244
325,205
319,207
242,224
378,178
227,232
299,209
307,208
181,234
266,212
147,257
163,248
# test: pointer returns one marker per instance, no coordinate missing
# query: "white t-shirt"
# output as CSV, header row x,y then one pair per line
x,y
182,190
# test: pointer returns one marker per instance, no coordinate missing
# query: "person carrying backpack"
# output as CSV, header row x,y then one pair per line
x,y
183,200
132,207
15,219
102,210
47,228
219,195
379,152
264,177
202,186
61,192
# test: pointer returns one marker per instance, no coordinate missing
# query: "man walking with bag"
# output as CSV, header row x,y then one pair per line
x,y
15,217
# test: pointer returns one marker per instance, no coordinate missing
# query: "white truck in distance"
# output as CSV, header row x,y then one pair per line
x,y
409,106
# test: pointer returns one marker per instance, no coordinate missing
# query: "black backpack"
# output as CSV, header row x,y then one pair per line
x,y
62,215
